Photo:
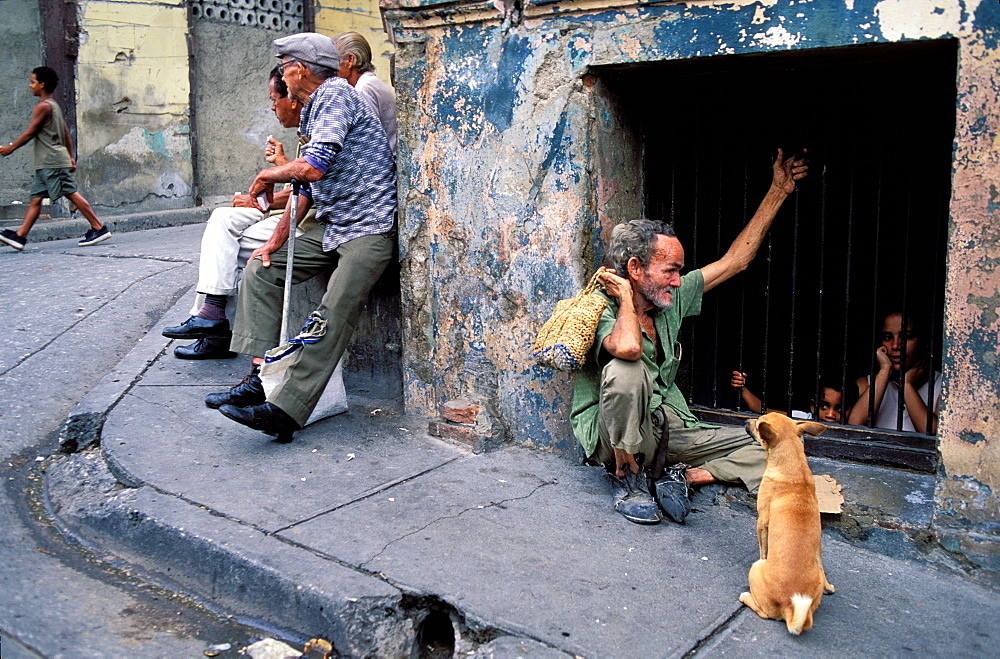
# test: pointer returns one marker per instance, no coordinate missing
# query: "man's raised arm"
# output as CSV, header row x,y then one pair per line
x,y
743,250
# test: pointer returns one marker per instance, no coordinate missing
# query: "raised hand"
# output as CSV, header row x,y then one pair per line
x,y
788,170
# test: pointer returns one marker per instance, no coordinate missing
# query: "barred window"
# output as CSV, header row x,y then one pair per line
x,y
864,236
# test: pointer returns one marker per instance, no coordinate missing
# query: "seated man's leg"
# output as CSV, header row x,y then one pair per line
x,y
360,262
624,424
218,272
218,277
259,312
624,421
259,309
728,453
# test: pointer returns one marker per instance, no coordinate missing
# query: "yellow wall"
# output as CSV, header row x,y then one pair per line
x,y
363,17
132,102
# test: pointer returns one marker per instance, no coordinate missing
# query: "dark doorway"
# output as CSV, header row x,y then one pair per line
x,y
61,36
865,234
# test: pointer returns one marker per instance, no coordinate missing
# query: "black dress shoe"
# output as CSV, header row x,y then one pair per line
x,y
204,349
267,418
196,327
250,391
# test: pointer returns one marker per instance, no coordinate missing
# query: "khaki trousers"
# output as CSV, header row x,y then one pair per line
x,y
355,266
625,422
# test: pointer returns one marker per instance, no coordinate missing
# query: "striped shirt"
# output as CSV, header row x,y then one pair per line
x,y
357,194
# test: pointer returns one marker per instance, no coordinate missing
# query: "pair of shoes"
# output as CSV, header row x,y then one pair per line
x,y
204,349
12,239
632,498
267,418
197,327
672,493
250,391
94,236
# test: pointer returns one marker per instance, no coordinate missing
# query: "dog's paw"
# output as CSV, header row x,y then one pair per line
x,y
828,589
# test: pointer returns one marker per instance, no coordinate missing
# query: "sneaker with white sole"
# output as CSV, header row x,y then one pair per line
x,y
94,236
11,238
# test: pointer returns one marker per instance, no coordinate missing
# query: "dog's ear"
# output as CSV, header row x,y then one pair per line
x,y
765,433
810,427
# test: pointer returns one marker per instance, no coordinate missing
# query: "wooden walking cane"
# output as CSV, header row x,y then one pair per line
x,y
286,307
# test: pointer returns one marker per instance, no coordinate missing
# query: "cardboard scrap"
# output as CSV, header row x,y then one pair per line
x,y
828,493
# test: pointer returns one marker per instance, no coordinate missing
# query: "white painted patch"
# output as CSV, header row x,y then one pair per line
x,y
132,144
777,36
135,144
171,185
850,7
916,19
917,497
734,5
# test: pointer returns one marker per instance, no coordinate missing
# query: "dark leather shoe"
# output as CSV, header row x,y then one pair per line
x,y
632,498
204,349
249,392
267,418
196,327
672,493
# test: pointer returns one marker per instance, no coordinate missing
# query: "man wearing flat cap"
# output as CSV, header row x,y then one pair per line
x,y
349,176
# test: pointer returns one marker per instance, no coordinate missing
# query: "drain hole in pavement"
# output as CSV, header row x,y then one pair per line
x,y
436,636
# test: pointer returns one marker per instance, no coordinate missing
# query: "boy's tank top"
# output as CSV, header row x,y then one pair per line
x,y
50,142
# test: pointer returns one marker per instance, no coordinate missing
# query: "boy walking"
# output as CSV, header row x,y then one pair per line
x,y
54,163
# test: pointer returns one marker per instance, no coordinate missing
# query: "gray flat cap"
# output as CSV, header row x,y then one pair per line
x,y
309,47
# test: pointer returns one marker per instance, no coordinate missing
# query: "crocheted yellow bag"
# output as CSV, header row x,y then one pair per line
x,y
566,337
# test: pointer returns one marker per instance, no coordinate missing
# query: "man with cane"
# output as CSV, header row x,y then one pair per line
x,y
347,172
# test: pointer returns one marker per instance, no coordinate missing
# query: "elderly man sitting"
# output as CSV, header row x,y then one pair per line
x,y
350,173
626,405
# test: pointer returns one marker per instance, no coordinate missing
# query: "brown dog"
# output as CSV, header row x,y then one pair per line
x,y
788,581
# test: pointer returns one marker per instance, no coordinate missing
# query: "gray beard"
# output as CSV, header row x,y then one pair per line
x,y
654,294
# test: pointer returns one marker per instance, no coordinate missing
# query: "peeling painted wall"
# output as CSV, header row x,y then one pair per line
x,y
19,32
509,186
133,95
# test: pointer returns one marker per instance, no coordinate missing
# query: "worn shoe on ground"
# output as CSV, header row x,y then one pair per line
x,y
94,236
197,327
249,392
205,349
11,238
632,498
267,418
672,493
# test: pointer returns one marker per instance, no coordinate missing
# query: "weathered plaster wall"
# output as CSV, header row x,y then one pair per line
x,y
508,190
233,111
133,96
968,493
362,16
19,32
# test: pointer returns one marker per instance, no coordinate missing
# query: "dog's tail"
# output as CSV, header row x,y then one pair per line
x,y
801,615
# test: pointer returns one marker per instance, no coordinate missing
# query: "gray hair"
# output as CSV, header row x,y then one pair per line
x,y
318,70
352,43
635,238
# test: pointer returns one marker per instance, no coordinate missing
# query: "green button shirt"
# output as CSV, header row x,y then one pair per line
x,y
587,390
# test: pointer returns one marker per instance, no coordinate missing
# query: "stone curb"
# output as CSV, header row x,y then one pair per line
x,y
59,229
248,572
82,429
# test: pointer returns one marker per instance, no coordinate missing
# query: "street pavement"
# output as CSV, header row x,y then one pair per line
x,y
69,315
370,533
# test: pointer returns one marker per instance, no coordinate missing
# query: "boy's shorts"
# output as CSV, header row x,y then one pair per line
x,y
53,183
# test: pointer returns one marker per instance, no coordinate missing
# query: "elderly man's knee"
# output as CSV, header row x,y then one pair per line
x,y
621,371
624,379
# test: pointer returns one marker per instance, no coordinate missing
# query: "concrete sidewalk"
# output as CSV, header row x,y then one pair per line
x,y
370,533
